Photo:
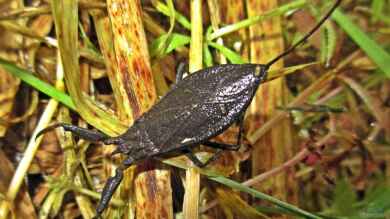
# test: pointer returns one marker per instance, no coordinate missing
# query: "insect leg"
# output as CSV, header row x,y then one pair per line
x,y
194,159
111,185
190,155
231,147
240,124
83,133
181,69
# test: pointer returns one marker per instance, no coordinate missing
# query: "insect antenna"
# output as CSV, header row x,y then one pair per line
x,y
311,32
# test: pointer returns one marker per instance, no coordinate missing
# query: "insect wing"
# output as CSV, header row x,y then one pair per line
x,y
200,106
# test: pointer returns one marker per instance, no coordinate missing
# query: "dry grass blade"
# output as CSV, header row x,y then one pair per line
x,y
277,145
277,117
31,109
23,207
25,12
215,17
373,104
153,190
71,171
31,148
191,196
8,87
131,78
233,204
233,15
286,165
66,23
192,182
18,28
120,56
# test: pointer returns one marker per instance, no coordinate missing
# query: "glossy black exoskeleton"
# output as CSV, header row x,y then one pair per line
x,y
196,109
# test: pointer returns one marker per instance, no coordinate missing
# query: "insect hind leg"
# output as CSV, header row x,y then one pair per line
x,y
83,133
190,155
240,124
231,147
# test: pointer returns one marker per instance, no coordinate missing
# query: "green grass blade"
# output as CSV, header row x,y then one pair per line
x,y
207,56
65,14
161,47
181,19
284,205
38,84
175,41
213,175
233,57
376,8
369,46
250,21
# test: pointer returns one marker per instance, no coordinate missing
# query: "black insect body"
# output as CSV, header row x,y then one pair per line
x,y
196,109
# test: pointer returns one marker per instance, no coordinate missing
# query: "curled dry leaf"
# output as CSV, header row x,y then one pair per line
x,y
22,207
8,88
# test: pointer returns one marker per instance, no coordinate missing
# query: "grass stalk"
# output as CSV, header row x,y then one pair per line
x,y
256,19
32,146
192,183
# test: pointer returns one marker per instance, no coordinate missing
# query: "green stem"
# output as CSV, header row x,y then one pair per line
x,y
253,20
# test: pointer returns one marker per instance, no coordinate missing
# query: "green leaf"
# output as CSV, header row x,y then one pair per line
x,y
57,204
283,9
181,19
88,49
29,78
328,43
283,205
376,204
207,56
376,8
158,47
243,188
175,41
344,198
369,46
272,210
228,53
87,41
164,40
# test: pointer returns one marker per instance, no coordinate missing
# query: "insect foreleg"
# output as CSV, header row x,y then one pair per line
x,y
83,133
111,185
87,134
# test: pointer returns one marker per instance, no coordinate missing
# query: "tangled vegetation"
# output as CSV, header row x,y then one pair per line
x,y
317,134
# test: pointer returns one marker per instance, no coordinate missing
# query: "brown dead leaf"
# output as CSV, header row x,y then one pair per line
x,y
23,206
8,88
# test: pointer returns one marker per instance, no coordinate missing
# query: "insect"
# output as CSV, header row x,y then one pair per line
x,y
196,109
